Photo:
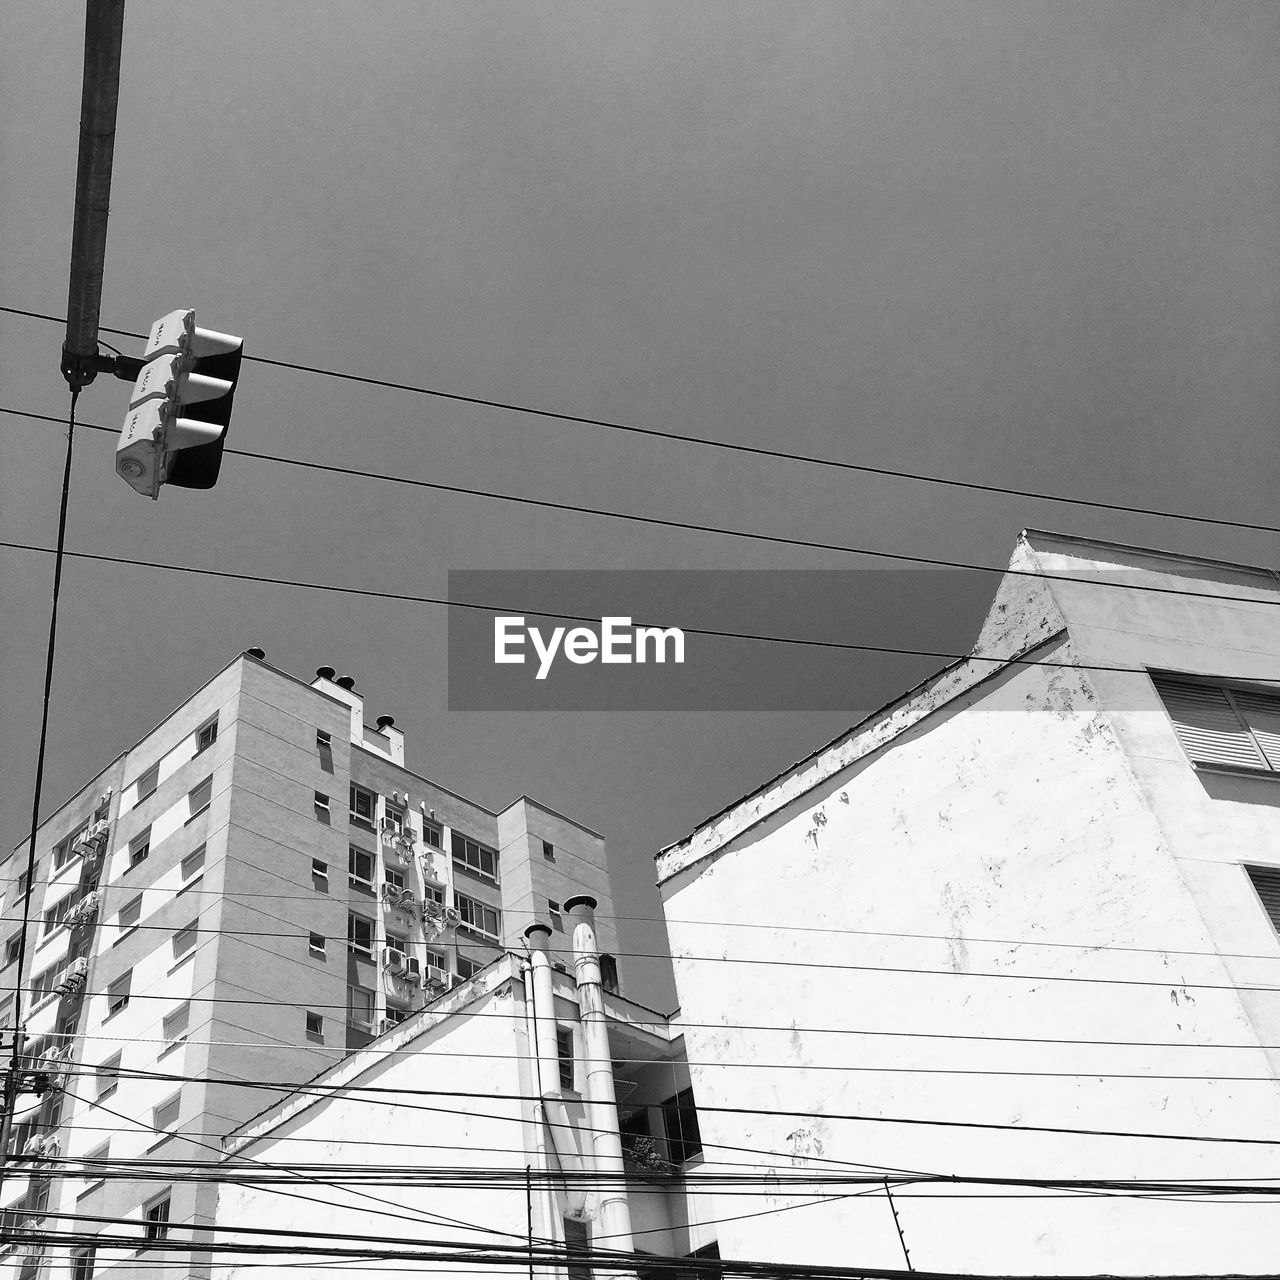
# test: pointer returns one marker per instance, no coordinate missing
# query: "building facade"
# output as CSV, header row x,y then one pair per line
x,y
257,889
1019,929
579,1146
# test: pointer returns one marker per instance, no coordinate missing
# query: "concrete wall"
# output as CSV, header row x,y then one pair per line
x,y
1029,862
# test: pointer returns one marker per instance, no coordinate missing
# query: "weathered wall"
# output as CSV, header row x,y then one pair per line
x,y
477,1049
938,919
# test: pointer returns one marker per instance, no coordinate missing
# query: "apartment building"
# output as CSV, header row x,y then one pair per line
x,y
254,891
1016,931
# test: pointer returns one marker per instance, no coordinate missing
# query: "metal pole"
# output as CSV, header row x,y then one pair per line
x,y
528,1199
103,33
902,1240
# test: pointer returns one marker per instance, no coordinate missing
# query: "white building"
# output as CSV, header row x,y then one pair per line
x,y
208,912
1031,900
495,1117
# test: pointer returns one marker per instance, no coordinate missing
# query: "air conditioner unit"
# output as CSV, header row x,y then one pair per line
x,y
393,959
413,969
91,842
437,977
452,916
386,1024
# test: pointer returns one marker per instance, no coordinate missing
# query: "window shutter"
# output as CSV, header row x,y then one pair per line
x,y
1266,882
1207,725
1262,711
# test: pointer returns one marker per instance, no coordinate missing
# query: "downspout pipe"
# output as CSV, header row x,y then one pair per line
x,y
549,1210
555,1114
602,1102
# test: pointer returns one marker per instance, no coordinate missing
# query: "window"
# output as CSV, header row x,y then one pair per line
x,y
396,1016
478,917
139,848
175,1025
130,914
315,1028
437,958
359,935
476,859
155,1218
103,811
553,910
184,941
198,797
319,875
609,973
680,1120
393,878
193,863
147,783
118,994
1229,727
315,945
577,1241
360,1007
322,808
548,851
324,748
395,818
108,1074
464,968
564,1051
82,1263
431,835
397,943
206,735
1266,884
53,918
62,850
11,948
95,1163
42,986
360,868
165,1116
434,893
363,804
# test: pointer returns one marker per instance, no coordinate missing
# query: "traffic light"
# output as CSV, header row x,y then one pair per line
x,y
180,407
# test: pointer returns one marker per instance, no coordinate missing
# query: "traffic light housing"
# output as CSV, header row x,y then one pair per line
x,y
180,407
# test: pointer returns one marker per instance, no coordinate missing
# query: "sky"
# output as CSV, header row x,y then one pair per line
x,y
1033,245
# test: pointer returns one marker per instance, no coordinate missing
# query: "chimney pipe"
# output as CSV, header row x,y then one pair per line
x,y
602,1102
326,673
564,1137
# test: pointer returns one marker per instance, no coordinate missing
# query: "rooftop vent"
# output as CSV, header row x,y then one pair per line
x,y
346,682
386,722
255,652
326,673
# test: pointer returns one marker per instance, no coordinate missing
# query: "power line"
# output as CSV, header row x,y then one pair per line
x,y
754,1064
841,967
694,527
408,1214
9,1090
996,662
375,1093
728,446
768,926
